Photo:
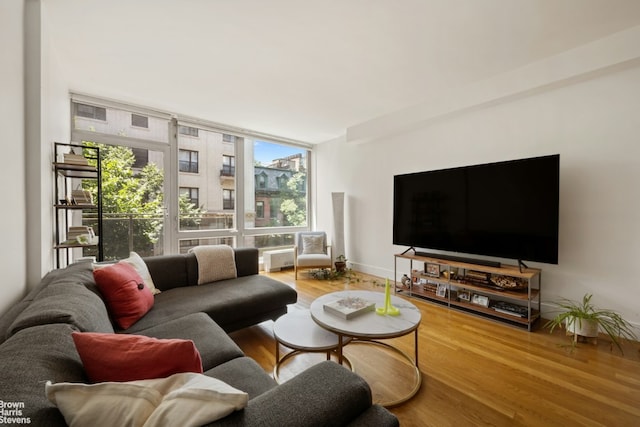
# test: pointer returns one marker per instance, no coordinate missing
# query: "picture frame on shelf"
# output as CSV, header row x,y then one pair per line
x,y
441,291
481,300
432,269
464,296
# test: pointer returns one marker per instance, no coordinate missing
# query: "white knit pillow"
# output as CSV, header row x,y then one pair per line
x,y
184,399
312,244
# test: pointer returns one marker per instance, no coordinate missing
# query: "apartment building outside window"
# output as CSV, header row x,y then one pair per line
x,y
188,161
219,190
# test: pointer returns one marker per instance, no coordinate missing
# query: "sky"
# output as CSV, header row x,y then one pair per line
x,y
266,152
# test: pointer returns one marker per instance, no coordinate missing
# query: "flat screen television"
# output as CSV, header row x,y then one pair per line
x,y
505,209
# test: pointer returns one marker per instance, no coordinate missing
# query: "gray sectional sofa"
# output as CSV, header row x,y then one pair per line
x,y
36,344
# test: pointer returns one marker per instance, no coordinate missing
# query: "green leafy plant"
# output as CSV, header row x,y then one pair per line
x,y
348,276
574,313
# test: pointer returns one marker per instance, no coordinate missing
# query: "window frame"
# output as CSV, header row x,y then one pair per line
x,y
190,161
190,195
138,117
242,140
228,198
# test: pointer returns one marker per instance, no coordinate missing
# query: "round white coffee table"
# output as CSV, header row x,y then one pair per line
x,y
370,327
297,331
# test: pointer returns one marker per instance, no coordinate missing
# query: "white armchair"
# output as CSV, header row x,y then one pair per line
x,y
311,251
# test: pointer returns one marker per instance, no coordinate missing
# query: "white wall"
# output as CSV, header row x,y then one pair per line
x,y
12,135
34,107
56,120
592,122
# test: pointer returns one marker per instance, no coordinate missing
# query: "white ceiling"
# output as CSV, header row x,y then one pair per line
x,y
308,70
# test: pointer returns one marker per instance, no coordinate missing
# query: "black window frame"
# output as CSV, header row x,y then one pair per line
x,y
190,165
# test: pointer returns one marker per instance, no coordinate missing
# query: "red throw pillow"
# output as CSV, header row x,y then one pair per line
x,y
125,294
121,357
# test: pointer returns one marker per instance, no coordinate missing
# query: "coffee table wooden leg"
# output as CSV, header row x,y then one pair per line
x,y
340,349
416,346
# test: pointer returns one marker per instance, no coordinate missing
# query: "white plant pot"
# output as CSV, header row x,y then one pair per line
x,y
582,327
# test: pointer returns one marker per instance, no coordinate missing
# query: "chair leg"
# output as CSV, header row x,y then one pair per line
x,y
295,271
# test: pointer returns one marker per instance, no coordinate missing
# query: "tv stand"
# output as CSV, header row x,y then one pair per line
x,y
487,263
506,293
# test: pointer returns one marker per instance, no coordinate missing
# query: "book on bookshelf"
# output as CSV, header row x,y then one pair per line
x,y
75,159
350,307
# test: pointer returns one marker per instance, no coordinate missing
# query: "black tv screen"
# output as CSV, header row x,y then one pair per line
x,y
505,209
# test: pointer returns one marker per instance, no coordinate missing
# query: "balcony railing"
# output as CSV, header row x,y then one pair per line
x,y
228,170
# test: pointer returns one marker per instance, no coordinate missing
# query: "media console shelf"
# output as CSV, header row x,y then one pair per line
x,y
506,293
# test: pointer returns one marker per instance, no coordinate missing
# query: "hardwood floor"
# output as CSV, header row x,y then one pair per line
x,y
476,372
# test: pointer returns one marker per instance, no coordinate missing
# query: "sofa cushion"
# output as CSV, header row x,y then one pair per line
x,y
30,358
213,344
127,298
326,394
180,400
65,301
116,357
172,271
245,374
226,302
7,319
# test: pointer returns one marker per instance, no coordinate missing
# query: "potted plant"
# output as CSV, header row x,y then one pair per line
x,y
584,319
341,263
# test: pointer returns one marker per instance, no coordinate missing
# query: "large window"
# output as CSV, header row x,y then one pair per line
x,y
132,178
280,179
223,185
216,178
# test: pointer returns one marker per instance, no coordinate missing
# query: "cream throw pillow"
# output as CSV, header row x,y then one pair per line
x,y
215,262
312,244
141,267
184,399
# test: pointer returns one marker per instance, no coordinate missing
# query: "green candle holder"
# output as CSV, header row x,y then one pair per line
x,y
388,309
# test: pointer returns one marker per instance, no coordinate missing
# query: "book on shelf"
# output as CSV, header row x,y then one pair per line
x,y
349,307
74,231
511,309
82,197
75,159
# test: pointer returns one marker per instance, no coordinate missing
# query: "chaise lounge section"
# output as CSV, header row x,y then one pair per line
x,y
36,344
